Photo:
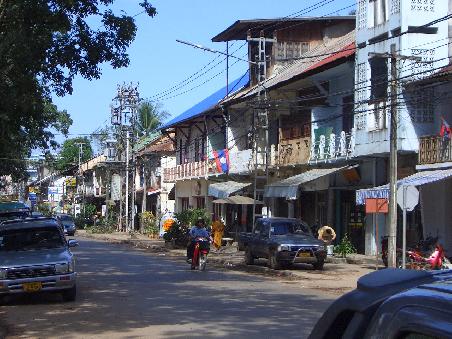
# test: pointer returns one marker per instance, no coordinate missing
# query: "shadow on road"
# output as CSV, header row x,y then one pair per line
x,y
127,293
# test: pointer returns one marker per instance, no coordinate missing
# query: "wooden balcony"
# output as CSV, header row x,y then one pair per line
x,y
293,152
190,170
434,149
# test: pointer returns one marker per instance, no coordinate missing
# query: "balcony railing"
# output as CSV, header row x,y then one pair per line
x,y
434,149
333,147
190,170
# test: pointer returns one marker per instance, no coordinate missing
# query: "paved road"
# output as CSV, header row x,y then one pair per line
x,y
127,293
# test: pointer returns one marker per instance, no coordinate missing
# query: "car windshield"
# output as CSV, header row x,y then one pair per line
x,y
30,239
65,218
288,227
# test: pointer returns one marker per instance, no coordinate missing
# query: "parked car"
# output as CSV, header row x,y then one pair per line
x,y
10,210
68,223
36,257
284,241
392,303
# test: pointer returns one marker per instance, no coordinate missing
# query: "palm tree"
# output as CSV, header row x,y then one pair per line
x,y
150,117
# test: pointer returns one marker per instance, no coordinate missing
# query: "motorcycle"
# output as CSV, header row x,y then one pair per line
x,y
427,254
201,250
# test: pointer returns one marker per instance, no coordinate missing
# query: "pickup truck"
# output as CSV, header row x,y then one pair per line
x,y
283,241
393,304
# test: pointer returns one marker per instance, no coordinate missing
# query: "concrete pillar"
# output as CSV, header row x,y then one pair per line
x,y
291,208
330,208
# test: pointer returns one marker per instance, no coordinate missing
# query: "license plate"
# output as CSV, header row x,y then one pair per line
x,y
32,287
304,254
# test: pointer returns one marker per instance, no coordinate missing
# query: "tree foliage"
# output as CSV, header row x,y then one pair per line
x,y
150,117
69,154
44,44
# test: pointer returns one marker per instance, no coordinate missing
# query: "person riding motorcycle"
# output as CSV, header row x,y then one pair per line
x,y
197,231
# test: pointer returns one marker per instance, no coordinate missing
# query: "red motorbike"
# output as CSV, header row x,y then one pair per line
x,y
199,259
428,255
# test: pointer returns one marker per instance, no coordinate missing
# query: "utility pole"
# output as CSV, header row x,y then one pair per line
x,y
80,155
392,239
124,114
261,125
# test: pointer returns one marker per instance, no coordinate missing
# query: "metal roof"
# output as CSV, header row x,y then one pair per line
x,y
210,102
238,200
417,179
325,54
226,188
288,188
238,30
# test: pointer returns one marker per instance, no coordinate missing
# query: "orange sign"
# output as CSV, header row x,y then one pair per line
x,y
377,205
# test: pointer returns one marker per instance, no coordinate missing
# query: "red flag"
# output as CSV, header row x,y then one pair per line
x,y
222,160
445,129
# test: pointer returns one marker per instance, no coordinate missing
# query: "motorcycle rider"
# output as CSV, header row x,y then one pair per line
x,y
197,231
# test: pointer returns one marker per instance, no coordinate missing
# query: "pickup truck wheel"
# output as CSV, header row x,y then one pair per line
x,y
249,259
319,265
70,294
273,262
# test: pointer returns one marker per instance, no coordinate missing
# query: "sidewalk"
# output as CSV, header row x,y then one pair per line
x,y
337,277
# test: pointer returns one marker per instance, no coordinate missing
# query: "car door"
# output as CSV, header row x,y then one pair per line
x,y
415,321
264,237
254,238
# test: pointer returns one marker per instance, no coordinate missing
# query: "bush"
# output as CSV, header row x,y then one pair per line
x,y
178,232
80,222
45,209
344,247
103,225
149,223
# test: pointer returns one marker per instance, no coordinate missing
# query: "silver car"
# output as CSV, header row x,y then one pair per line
x,y
35,257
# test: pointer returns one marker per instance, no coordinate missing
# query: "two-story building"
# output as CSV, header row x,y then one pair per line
x,y
155,154
310,91
407,29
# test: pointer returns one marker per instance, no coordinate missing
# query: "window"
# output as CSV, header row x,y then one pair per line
x,y
185,204
297,125
197,158
378,79
379,10
290,49
181,152
421,105
200,202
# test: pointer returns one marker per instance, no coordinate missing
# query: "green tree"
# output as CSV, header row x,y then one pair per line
x,y
69,153
44,44
150,117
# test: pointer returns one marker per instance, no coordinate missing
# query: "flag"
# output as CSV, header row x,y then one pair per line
x,y
445,130
222,160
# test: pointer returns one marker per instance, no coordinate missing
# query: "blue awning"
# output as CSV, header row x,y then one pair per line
x,y
209,102
417,179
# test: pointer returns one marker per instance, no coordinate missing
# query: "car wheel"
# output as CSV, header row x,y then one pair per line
x,y
319,265
249,259
273,261
70,294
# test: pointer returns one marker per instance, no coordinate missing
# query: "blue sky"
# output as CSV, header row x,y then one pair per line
x,y
158,62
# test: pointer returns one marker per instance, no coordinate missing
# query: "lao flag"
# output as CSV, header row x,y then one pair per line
x,y
445,130
222,160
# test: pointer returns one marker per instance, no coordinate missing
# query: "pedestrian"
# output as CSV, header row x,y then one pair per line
x,y
326,234
218,232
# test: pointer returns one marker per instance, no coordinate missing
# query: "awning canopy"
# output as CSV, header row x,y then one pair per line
x,y
417,179
237,200
226,188
288,188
